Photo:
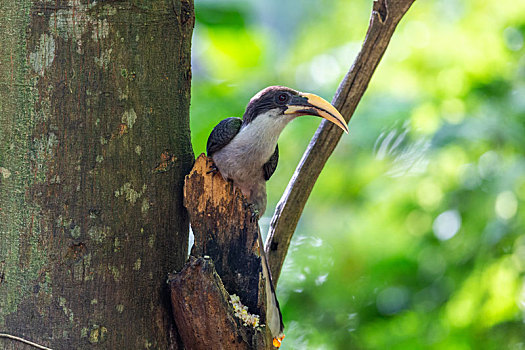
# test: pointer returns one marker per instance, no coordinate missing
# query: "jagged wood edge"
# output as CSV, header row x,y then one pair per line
x,y
386,14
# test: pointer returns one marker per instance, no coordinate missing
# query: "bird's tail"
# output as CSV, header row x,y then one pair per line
x,y
274,319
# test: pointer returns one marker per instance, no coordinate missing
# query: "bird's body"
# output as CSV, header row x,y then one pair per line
x,y
246,158
245,151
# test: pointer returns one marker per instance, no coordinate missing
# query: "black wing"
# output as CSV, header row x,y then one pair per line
x,y
222,134
270,166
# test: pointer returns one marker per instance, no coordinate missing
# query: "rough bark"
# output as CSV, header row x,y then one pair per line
x,y
386,14
94,146
204,314
226,231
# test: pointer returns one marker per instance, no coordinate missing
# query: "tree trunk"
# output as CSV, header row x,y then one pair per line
x,y
94,147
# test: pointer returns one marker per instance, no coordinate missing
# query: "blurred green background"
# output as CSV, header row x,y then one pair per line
x,y
414,235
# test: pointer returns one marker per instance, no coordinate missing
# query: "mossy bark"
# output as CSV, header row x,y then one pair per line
x,y
94,147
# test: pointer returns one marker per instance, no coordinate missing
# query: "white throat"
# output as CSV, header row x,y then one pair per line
x,y
261,135
242,159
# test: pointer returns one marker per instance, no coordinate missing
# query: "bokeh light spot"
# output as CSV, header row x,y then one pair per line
x,y
418,222
453,110
488,164
506,205
451,81
513,38
392,300
425,119
469,176
518,255
429,194
431,263
447,224
321,279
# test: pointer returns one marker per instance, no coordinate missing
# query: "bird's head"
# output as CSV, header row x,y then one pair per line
x,y
284,104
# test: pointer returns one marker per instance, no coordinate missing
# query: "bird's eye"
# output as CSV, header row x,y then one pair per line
x,y
282,98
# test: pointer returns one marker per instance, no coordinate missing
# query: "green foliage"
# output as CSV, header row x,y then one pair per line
x,y
414,235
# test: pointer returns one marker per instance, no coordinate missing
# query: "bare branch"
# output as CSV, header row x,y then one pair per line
x,y
386,14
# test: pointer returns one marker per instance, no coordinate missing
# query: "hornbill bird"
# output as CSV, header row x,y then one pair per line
x,y
245,151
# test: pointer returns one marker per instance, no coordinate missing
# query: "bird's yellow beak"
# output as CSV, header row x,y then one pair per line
x,y
310,104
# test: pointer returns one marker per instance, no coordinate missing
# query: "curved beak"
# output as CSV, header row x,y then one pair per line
x,y
310,104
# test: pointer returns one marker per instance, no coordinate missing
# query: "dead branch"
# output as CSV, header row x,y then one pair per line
x,y
203,313
227,262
